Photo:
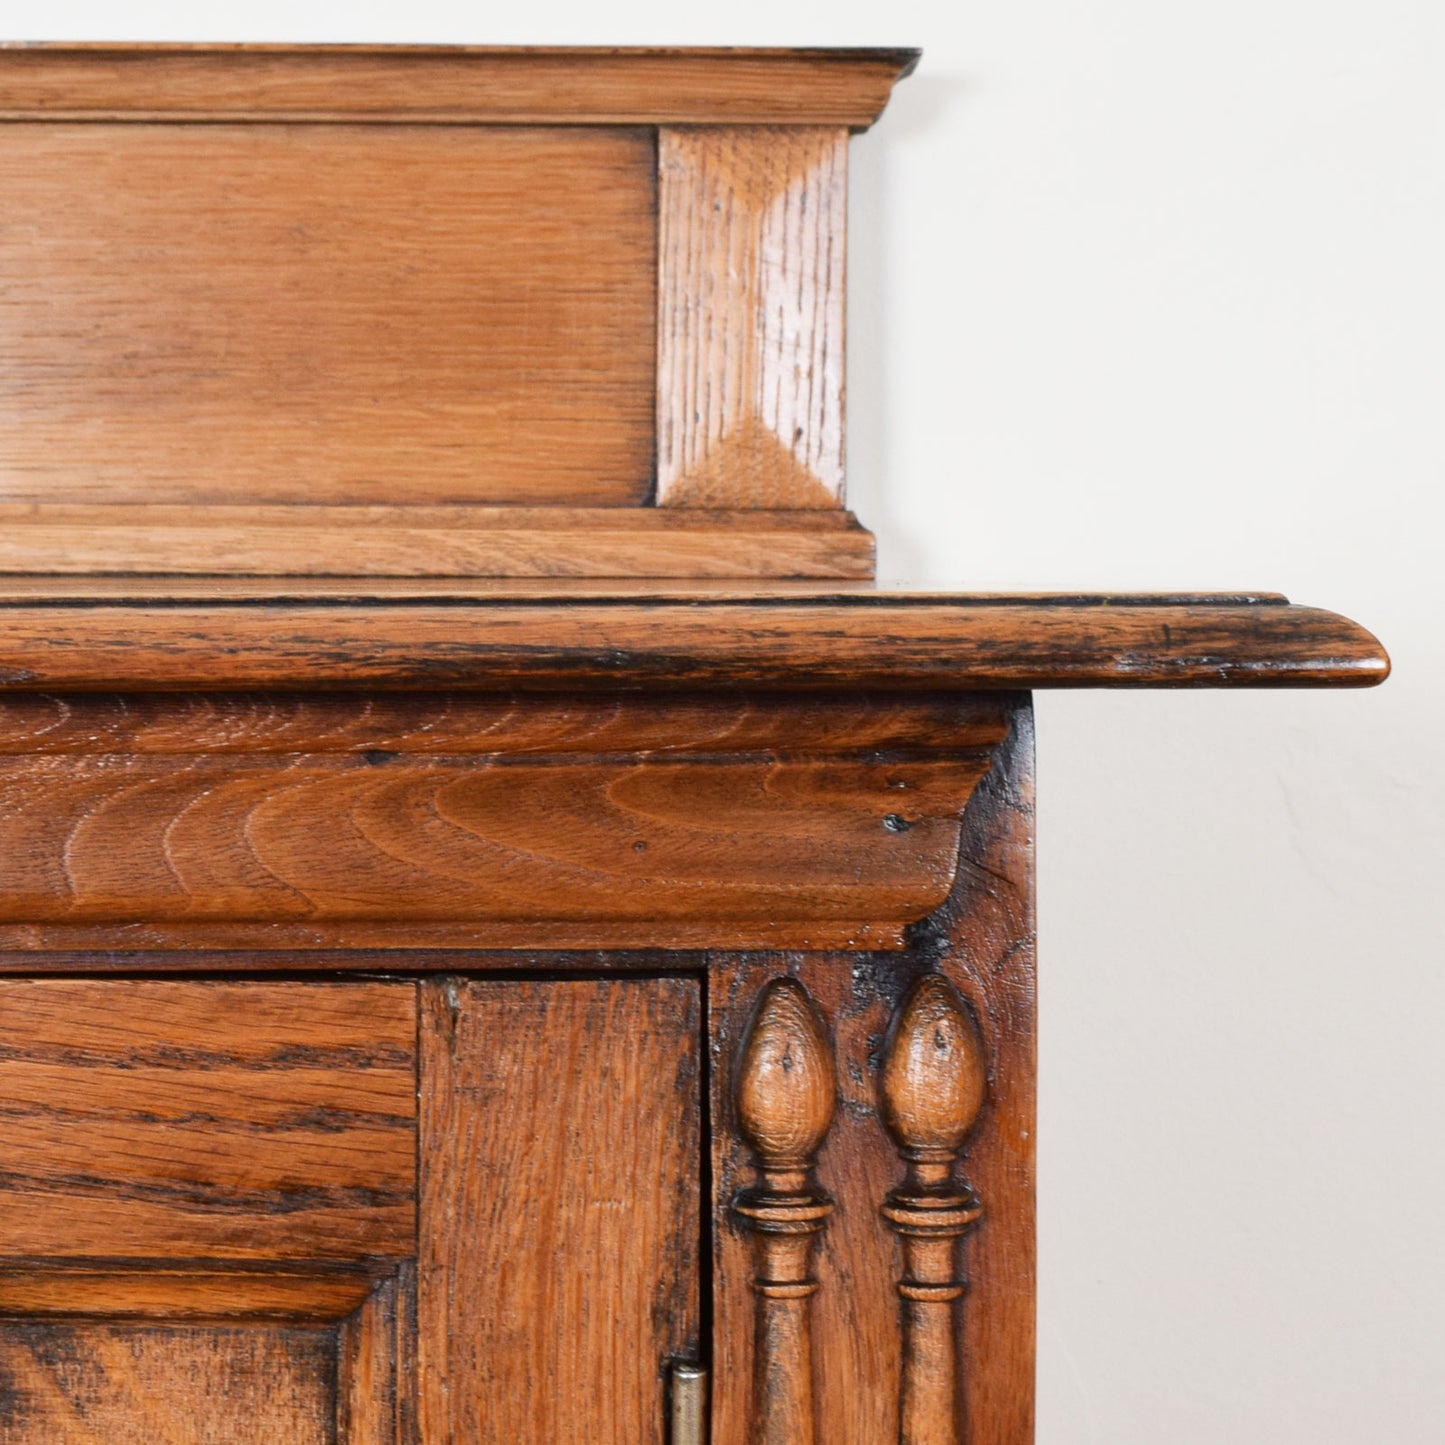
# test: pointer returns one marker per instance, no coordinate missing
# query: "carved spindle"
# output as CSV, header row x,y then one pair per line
x,y
785,1092
933,1087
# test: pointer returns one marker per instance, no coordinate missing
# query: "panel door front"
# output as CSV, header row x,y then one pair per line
x,y
379,1213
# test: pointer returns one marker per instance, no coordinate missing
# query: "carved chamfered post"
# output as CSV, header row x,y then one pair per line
x,y
933,1088
752,222
785,1094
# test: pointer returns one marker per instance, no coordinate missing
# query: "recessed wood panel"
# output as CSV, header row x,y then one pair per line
x,y
145,1120
331,313
560,1207
103,1384
750,322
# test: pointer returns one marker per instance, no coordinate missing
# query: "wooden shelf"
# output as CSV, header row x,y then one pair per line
x,y
472,85
59,633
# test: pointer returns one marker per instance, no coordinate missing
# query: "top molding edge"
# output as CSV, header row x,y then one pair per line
x,y
449,85
839,642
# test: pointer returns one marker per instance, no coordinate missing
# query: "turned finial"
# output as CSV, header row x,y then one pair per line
x,y
785,1090
933,1083
786,1082
933,1072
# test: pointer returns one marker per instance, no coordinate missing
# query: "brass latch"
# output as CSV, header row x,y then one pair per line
x,y
687,1403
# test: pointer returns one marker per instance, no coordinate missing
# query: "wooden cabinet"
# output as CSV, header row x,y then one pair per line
x,y
505,934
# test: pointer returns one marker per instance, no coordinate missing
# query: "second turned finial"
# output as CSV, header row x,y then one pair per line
x,y
933,1072
934,1077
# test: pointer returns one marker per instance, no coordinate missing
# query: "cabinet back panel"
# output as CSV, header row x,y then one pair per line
x,y
326,313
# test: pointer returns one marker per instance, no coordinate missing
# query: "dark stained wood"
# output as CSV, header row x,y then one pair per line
x,y
214,314
363,1367
982,940
163,1121
887,642
263,963
785,1096
478,85
98,1384
560,1207
439,541
750,316
932,1088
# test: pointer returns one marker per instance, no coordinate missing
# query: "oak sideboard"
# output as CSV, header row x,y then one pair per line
x,y
506,933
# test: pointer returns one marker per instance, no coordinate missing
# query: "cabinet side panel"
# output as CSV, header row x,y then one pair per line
x,y
983,941
560,1197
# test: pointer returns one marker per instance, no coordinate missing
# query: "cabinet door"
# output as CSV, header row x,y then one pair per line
x,y
353,1212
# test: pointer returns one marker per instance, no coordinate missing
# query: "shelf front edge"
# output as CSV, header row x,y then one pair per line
x,y
849,640
450,85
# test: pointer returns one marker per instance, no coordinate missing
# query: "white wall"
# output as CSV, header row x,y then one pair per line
x,y
1149,294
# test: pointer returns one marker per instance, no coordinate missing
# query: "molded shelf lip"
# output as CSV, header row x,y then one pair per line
x,y
265,633
451,84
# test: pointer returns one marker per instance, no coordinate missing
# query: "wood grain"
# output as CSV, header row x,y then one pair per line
x,y
157,1120
169,1293
750,323
982,940
727,819
45,948
434,840
572,85
853,641
376,1380
560,1207
481,725
375,314
137,1385
368,1366
333,540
